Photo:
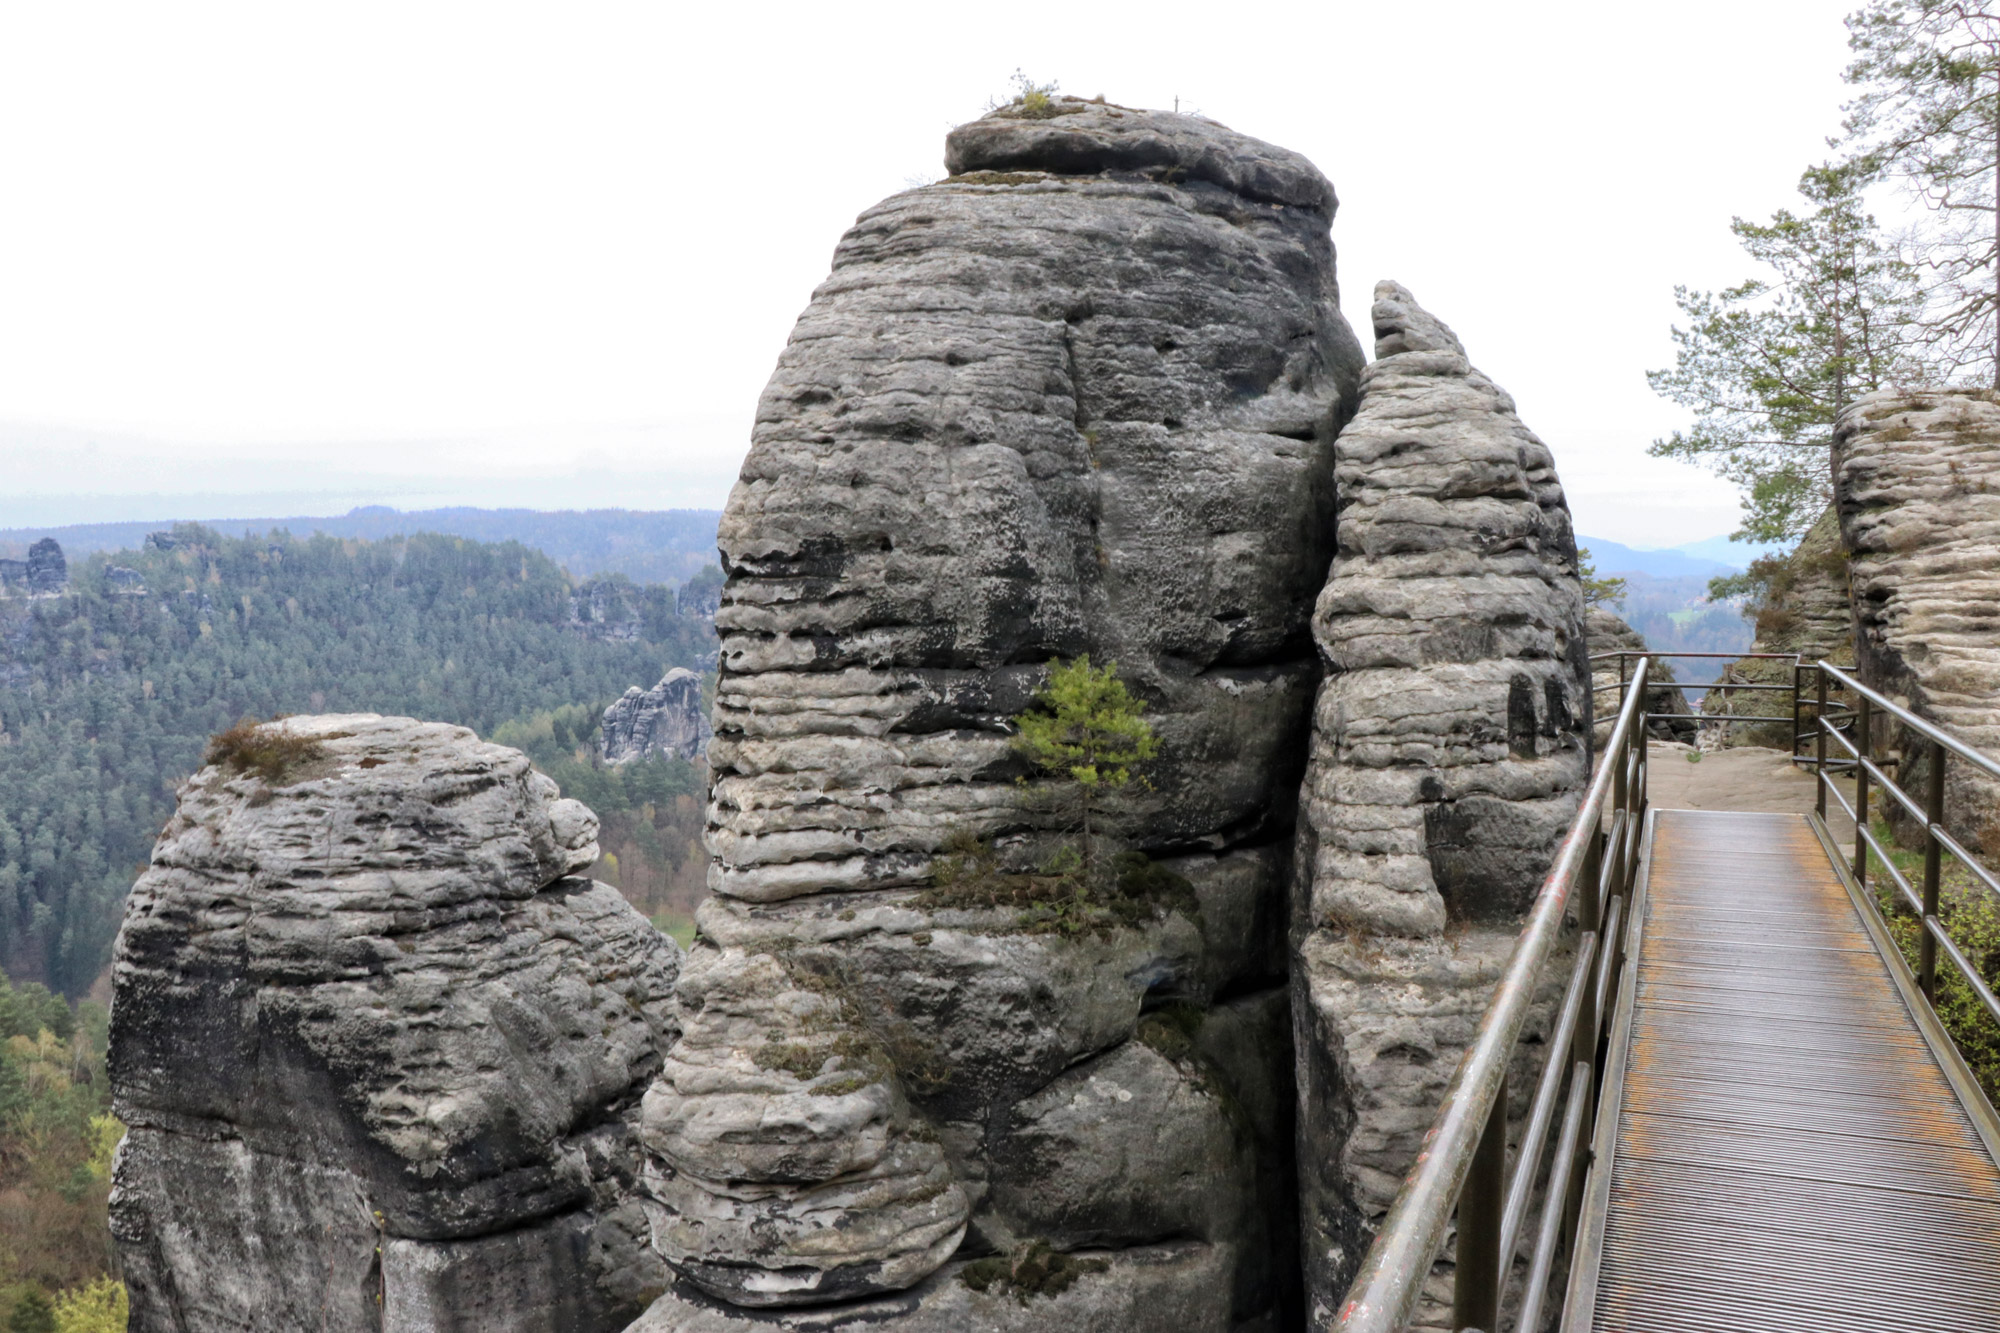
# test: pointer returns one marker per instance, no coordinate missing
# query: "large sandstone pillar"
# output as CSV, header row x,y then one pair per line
x,y
1450,748
1079,397
1917,486
380,1048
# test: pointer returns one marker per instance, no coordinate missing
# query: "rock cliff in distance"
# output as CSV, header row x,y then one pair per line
x,y
380,1048
668,719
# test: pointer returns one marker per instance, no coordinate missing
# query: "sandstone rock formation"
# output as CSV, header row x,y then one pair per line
x,y
1080,397
43,574
668,719
379,1047
1917,484
1804,609
1449,753
1607,632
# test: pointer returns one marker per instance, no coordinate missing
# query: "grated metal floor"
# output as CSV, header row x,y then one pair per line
x,y
1789,1153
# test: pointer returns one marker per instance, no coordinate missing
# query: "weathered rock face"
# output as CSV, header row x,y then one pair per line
x,y
668,719
1607,632
1078,398
1917,485
1449,753
381,1049
43,574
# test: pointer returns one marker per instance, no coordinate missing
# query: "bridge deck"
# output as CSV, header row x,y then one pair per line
x,y
1789,1149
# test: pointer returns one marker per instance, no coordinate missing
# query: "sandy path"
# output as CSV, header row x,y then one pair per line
x,y
1745,778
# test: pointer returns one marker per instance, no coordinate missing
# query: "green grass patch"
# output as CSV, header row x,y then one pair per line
x,y
673,923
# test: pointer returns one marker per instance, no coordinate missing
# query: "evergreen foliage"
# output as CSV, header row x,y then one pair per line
x,y
1086,733
1927,115
1766,366
1597,590
107,698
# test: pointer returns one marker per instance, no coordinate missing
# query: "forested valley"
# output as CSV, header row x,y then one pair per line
x,y
109,691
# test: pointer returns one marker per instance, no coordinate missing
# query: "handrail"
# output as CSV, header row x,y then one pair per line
x,y
1903,715
1938,841
1462,1162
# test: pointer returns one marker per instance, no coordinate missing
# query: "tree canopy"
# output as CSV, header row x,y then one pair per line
x,y
110,694
1767,365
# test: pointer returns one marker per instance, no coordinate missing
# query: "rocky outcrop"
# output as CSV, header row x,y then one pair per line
x,y
668,719
1449,752
1801,607
1080,397
380,1048
1917,485
43,574
1607,632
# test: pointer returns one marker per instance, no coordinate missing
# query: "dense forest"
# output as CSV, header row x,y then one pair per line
x,y
645,545
108,692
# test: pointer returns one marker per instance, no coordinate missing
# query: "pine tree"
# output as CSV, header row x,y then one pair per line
x,y
1928,115
1767,365
1086,733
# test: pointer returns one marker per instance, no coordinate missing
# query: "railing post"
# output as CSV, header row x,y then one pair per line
x,y
1819,737
1475,1298
1797,710
1864,746
1933,817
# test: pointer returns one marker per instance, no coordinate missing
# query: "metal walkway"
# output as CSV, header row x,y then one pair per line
x,y
1786,1145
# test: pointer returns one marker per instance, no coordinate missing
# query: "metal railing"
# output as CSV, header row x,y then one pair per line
x,y
1867,767
1462,1166
1725,688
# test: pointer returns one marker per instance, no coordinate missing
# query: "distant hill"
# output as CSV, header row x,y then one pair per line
x,y
647,546
1614,558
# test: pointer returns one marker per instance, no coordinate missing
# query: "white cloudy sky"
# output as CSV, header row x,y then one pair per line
x,y
264,258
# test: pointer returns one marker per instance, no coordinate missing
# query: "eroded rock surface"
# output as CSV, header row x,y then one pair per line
x,y
380,1047
1078,398
1607,632
1917,484
1449,753
668,719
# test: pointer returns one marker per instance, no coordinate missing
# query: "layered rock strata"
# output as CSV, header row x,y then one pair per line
x,y
670,719
380,1048
1607,632
1450,748
1917,485
1080,397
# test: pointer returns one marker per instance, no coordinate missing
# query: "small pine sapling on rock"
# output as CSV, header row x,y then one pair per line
x,y
1086,733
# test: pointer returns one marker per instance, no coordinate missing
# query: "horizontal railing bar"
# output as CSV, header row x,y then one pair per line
x,y
1902,885
1902,797
1950,742
1965,858
1391,1277
1613,919
1845,743
1964,965
1581,1079
1522,1186
1734,657
1841,801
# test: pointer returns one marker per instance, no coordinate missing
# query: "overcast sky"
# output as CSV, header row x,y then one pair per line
x,y
288,258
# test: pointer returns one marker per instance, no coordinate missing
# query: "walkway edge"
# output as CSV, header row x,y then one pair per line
x,y
1971,1098
1580,1306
